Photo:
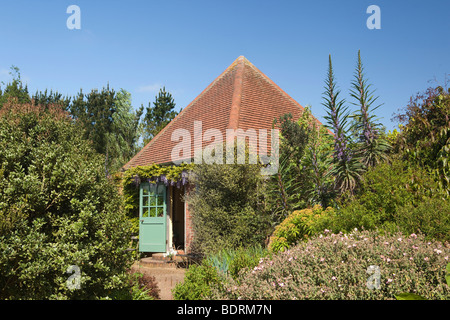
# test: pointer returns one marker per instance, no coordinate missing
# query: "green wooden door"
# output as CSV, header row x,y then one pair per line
x,y
152,217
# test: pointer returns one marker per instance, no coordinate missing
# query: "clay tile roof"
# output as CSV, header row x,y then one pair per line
x,y
241,97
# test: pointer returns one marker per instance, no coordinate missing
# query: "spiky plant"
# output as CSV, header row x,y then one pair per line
x,y
371,146
346,169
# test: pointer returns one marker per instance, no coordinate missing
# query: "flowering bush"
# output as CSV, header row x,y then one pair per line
x,y
297,226
362,265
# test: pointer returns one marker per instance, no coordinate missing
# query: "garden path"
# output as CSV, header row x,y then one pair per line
x,y
166,277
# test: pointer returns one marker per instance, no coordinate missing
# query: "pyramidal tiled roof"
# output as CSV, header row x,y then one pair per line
x,y
242,97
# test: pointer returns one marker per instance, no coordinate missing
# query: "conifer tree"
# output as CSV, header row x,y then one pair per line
x,y
158,116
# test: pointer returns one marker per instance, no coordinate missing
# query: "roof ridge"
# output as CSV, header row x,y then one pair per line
x,y
232,108
155,138
238,81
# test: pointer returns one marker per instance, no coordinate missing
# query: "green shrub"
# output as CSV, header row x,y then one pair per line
x,y
387,191
299,225
430,217
201,281
337,266
197,284
57,210
227,207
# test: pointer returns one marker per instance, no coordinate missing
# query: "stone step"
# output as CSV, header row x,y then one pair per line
x,y
158,260
155,263
160,256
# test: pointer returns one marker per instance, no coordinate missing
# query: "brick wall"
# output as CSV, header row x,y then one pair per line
x,y
189,232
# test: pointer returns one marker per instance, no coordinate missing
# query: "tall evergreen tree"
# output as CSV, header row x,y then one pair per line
x,y
110,123
94,112
122,140
15,89
158,116
53,97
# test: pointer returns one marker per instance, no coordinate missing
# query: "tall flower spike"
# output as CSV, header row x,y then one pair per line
x,y
336,115
346,169
372,148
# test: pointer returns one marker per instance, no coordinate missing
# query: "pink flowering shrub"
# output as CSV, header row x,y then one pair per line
x,y
338,266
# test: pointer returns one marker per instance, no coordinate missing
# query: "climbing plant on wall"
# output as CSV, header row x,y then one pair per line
x,y
132,178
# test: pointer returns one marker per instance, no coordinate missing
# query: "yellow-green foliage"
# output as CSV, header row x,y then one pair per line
x,y
299,225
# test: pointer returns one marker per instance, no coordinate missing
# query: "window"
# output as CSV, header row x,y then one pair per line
x,y
153,200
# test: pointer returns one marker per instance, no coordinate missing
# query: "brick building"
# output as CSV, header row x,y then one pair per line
x,y
242,97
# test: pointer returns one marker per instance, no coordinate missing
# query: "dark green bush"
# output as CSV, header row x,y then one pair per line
x,y
227,207
57,209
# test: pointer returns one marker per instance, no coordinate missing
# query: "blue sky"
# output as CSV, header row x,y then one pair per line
x,y
184,45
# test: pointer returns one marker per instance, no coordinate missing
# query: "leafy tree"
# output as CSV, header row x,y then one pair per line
x,y
57,209
284,187
316,163
95,112
424,137
158,116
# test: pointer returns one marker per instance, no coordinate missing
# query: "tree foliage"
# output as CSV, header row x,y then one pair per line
x,y
110,123
158,116
14,89
424,137
284,187
302,179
